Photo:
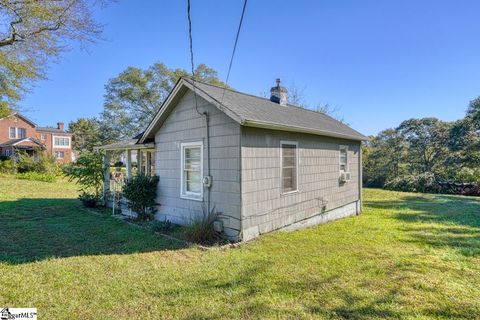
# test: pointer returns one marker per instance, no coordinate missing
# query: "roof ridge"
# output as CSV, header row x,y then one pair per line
x,y
254,96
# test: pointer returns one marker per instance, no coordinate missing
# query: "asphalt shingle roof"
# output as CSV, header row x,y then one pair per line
x,y
51,129
256,109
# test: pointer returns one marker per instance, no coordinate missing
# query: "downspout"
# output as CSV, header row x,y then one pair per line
x,y
360,180
207,124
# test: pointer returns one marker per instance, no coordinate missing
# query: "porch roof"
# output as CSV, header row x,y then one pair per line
x,y
130,144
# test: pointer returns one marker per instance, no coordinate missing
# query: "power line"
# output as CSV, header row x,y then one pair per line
x,y
235,46
191,55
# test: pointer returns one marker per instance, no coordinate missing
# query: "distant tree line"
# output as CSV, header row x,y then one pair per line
x,y
419,154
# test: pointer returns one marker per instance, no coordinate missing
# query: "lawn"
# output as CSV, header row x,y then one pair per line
x,y
407,256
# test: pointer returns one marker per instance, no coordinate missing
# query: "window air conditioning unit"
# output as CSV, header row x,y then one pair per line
x,y
345,176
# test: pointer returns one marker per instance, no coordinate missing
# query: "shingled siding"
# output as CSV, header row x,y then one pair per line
x,y
184,124
319,189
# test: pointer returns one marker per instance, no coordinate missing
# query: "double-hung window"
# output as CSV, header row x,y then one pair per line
x,y
343,159
289,163
59,154
21,133
12,133
61,142
192,170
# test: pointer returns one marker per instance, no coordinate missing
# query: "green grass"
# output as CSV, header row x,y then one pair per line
x,y
407,256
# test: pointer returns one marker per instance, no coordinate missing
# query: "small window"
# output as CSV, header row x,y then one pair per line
x,y
343,158
289,163
192,168
59,154
43,136
13,133
22,133
8,152
61,142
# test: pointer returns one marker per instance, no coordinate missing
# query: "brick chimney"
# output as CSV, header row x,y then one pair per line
x,y
60,126
278,94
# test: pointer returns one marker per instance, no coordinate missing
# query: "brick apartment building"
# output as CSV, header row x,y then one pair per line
x,y
18,133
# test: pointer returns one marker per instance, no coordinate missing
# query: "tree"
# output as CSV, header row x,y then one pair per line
x,y
87,134
384,157
35,33
427,139
134,96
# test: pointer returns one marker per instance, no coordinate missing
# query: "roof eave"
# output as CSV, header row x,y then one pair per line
x,y
182,83
283,127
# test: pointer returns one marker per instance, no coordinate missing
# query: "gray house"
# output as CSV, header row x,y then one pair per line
x,y
262,163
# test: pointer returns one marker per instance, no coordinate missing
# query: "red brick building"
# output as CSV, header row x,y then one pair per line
x,y
18,133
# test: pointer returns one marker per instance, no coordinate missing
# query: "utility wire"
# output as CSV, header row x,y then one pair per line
x,y
234,47
191,55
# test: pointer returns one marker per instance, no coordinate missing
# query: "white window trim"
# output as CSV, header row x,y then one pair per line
x,y
9,132
190,195
58,153
342,147
8,153
294,143
61,147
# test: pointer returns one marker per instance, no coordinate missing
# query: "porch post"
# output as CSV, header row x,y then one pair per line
x,y
129,164
106,172
139,161
148,163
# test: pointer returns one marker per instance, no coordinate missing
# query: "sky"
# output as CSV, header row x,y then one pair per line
x,y
377,62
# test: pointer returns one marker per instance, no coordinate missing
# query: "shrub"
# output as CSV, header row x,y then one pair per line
x,y
424,182
25,163
37,176
47,163
202,230
44,163
8,166
141,191
465,174
88,173
88,200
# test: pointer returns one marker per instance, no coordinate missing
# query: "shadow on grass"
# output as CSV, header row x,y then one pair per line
x,y
38,229
438,220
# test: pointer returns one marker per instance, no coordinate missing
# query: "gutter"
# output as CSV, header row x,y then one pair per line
x,y
283,127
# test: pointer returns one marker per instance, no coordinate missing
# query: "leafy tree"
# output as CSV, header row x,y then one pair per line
x,y
426,140
88,172
87,134
383,158
33,33
134,96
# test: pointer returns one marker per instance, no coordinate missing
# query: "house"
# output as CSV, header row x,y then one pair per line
x,y
262,163
18,133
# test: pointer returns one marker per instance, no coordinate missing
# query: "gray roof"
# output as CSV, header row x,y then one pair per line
x,y
257,111
51,129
